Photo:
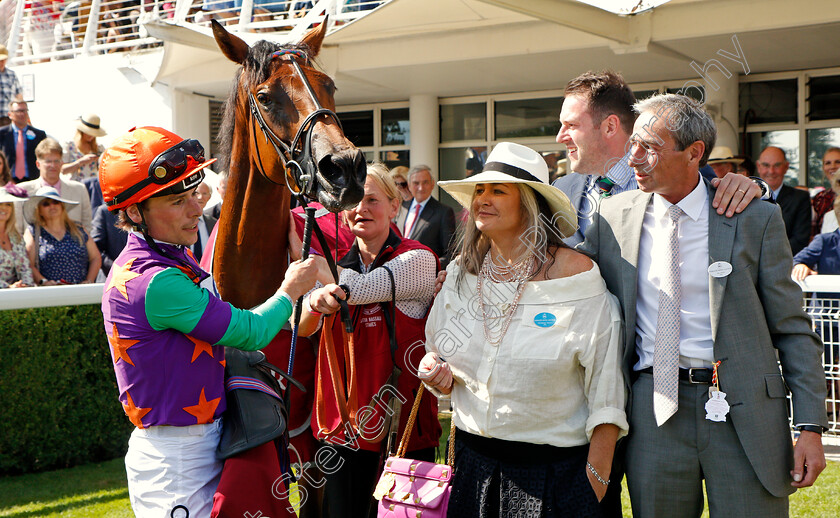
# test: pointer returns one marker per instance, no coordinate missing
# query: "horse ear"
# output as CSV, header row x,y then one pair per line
x,y
314,37
232,46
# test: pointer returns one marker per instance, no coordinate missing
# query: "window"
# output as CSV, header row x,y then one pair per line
x,y
824,98
395,127
819,141
763,102
393,159
463,122
527,118
358,127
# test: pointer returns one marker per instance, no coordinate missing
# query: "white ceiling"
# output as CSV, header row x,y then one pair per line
x,y
469,47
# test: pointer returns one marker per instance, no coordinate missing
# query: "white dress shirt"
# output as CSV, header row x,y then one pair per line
x,y
696,344
409,219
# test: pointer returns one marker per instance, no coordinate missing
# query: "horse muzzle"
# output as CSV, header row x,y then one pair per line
x,y
341,179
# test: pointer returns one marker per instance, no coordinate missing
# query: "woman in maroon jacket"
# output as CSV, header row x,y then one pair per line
x,y
378,258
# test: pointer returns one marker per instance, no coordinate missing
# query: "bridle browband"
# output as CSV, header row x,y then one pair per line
x,y
299,164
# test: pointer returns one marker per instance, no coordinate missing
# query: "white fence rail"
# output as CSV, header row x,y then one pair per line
x,y
822,302
42,30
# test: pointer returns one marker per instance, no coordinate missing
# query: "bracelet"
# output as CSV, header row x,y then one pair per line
x,y
597,476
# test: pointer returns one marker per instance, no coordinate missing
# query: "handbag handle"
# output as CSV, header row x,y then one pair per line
x,y
409,426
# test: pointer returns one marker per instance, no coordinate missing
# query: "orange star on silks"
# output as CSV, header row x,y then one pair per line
x,y
122,274
204,410
120,347
200,347
224,363
135,414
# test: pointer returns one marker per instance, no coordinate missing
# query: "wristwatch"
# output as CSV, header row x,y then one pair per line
x,y
766,193
810,428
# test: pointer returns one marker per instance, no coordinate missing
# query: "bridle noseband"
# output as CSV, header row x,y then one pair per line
x,y
299,163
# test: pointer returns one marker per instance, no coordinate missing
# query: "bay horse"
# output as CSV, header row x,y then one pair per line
x,y
252,237
278,126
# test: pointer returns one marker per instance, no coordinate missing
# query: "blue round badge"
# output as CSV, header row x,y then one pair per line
x,y
545,319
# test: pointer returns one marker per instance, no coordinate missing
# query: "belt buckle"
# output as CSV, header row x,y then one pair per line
x,y
691,375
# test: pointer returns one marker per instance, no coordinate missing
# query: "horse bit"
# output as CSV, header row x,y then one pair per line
x,y
300,166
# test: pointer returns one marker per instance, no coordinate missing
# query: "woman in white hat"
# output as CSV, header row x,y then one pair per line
x,y
81,155
15,271
60,251
525,337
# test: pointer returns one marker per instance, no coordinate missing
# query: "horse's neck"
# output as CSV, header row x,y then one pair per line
x,y
252,239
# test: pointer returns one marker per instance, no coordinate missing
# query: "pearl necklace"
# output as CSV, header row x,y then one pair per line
x,y
519,272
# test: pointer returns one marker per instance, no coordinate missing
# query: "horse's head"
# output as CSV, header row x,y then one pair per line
x,y
293,127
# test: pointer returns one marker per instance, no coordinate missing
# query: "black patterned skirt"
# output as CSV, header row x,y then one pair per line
x,y
494,478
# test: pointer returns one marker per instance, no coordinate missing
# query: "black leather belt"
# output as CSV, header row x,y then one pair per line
x,y
698,375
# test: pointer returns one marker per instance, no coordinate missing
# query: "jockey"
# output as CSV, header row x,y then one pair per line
x,y
165,331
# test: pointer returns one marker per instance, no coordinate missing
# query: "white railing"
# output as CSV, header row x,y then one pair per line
x,y
39,31
822,302
50,296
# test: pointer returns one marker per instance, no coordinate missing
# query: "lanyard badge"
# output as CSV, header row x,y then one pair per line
x,y
716,407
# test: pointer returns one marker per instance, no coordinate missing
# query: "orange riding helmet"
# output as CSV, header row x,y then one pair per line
x,y
148,162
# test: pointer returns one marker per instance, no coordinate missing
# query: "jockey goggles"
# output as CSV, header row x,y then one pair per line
x,y
168,166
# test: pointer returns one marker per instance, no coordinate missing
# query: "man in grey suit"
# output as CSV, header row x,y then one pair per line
x,y
596,121
425,219
706,297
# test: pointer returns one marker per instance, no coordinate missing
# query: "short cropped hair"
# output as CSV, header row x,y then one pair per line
x,y
420,167
607,94
47,147
685,118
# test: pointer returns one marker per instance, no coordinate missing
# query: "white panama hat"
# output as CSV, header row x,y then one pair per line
x,y
42,193
515,163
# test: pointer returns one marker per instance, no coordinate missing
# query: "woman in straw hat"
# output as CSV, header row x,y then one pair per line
x,y
525,337
81,155
59,249
15,271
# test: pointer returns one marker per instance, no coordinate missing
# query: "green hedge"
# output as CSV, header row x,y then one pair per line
x,y
58,393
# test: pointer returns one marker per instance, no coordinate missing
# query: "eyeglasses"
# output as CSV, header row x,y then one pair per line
x,y
49,201
168,166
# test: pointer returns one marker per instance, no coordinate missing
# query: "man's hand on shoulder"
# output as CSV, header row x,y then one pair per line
x,y
734,192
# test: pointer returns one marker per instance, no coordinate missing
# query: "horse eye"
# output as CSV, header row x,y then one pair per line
x,y
264,99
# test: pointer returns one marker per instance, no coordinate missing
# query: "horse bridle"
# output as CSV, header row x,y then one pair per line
x,y
299,163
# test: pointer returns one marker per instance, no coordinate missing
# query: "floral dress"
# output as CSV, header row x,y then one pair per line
x,y
72,153
64,260
14,265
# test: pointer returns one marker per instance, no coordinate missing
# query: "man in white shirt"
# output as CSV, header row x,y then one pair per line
x,y
48,159
708,302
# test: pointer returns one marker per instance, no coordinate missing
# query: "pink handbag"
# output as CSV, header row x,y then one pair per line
x,y
414,488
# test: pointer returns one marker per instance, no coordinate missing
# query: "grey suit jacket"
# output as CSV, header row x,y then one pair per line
x,y
435,228
756,312
70,190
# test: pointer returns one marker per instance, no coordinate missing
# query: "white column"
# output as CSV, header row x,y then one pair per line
x,y
722,104
191,117
424,118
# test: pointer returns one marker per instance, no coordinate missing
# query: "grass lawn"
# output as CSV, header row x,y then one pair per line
x,y
99,491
